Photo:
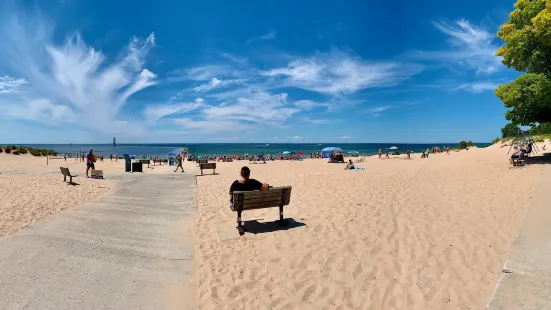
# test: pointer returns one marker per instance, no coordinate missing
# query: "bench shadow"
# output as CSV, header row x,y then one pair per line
x,y
206,174
543,159
72,183
256,227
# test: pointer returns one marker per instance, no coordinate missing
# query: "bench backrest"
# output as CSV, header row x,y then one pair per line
x,y
202,161
145,161
65,171
274,197
208,166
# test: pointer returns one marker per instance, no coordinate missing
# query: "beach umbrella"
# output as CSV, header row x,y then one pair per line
x,y
235,155
299,153
393,148
332,149
286,153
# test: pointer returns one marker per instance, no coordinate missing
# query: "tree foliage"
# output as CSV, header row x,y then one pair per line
x,y
509,130
527,37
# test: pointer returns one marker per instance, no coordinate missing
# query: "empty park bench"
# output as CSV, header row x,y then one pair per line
x,y
66,173
208,166
271,198
145,162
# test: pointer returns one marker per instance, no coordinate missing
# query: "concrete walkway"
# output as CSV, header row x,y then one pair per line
x,y
526,279
125,251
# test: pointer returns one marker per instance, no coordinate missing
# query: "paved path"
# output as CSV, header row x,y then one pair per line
x,y
526,279
125,251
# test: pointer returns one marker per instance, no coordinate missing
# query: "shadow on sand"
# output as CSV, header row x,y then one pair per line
x,y
256,227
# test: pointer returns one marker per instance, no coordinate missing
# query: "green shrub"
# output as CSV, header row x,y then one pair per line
x,y
496,140
8,150
13,147
539,139
22,150
1,150
462,145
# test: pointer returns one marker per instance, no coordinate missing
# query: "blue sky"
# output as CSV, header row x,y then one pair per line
x,y
250,71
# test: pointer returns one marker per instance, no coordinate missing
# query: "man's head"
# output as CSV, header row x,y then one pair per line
x,y
245,172
91,151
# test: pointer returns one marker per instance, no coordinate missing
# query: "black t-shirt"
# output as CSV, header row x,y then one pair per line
x,y
250,185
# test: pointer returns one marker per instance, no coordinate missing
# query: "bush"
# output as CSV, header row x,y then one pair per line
x,y
1,150
22,150
496,140
8,150
13,147
510,130
539,139
462,145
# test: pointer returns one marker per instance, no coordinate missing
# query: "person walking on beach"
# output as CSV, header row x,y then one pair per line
x,y
386,153
380,153
179,161
90,162
427,153
246,184
448,150
409,153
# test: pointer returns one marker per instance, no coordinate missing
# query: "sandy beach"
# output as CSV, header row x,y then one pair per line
x,y
402,234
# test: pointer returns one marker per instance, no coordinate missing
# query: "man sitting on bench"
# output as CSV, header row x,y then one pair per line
x,y
246,184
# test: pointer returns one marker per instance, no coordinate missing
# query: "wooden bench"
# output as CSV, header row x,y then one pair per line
x,y
145,162
202,161
208,166
274,197
66,173
96,174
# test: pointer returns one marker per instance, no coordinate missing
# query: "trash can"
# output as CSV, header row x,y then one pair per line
x,y
137,167
127,163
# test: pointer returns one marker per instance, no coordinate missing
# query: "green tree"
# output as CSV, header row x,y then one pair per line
x,y
527,37
510,130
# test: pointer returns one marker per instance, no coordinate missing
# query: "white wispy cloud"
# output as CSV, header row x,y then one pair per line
x,y
314,121
468,46
256,107
478,87
378,110
294,137
9,84
345,138
215,83
157,111
268,36
239,60
74,79
338,72
309,104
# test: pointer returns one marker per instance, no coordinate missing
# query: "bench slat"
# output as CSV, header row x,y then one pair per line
x,y
207,166
263,199
256,194
261,205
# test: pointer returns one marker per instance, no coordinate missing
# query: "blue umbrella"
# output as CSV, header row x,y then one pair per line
x,y
332,149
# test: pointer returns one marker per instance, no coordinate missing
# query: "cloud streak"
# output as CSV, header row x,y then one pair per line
x,y
268,36
469,46
337,73
70,80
